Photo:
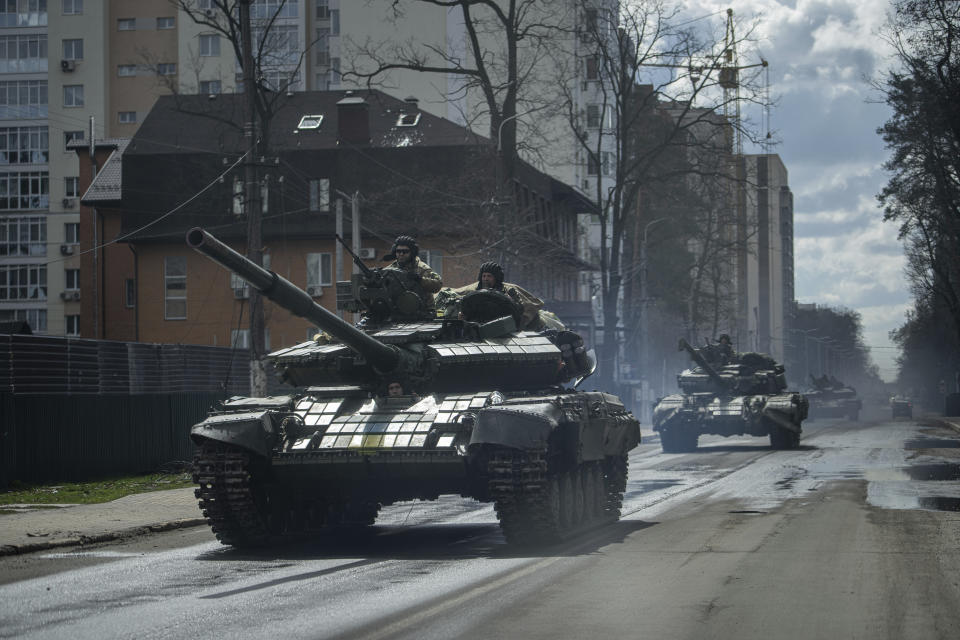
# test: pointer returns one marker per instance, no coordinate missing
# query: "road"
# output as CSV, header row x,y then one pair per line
x,y
854,535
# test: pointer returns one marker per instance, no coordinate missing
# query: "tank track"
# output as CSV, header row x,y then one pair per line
x,y
536,506
227,495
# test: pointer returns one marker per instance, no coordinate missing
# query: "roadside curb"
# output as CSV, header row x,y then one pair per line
x,y
953,423
75,541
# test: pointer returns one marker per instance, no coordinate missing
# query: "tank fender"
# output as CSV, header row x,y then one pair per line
x,y
250,430
520,426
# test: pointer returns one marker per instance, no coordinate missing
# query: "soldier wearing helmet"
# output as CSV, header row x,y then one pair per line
x,y
490,276
405,255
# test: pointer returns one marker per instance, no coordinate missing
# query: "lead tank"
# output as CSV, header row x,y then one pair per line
x,y
729,394
486,414
830,398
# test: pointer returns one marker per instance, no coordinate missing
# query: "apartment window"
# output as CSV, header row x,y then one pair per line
x,y
319,270
126,24
23,53
71,232
323,9
36,318
23,236
126,70
73,95
73,325
210,87
594,115
166,69
72,279
127,117
434,258
593,68
165,23
24,190
73,49
24,145
23,282
240,287
266,9
72,7
175,288
71,187
130,293
22,99
209,44
25,13
320,195
72,136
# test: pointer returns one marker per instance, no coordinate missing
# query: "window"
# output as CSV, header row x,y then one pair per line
x,y
593,68
323,9
72,7
165,23
23,236
126,24
127,117
71,187
594,112
240,338
73,95
263,9
238,197
126,70
320,195
21,99
210,87
24,190
23,53
241,289
73,325
23,282
71,232
24,145
36,318
73,49
209,45
175,288
72,278
604,166
130,293
72,136
434,258
166,69
319,270
25,13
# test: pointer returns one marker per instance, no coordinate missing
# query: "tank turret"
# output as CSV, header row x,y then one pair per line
x,y
408,405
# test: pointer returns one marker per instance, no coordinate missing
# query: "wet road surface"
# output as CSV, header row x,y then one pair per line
x,y
853,535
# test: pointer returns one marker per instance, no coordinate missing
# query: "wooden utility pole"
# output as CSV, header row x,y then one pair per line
x,y
258,374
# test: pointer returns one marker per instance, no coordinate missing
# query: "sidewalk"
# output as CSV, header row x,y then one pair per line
x,y
65,526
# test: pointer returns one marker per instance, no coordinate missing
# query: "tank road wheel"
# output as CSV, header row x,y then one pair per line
x,y
594,496
233,499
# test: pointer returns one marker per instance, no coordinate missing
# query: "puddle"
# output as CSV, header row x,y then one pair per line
x,y
647,486
940,503
934,472
932,443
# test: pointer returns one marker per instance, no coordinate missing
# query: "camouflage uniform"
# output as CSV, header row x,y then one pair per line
x,y
430,282
529,303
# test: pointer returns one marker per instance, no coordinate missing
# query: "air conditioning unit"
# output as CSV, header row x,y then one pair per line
x,y
75,295
210,13
65,295
368,253
315,291
68,203
70,295
241,293
66,249
68,65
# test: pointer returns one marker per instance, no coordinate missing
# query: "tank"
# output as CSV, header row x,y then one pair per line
x,y
729,394
484,411
830,398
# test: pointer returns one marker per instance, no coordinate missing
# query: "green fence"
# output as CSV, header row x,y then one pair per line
x,y
60,437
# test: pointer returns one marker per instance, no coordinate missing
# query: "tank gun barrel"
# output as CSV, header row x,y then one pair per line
x,y
701,361
281,291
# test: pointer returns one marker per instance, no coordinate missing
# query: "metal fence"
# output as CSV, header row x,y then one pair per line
x,y
74,409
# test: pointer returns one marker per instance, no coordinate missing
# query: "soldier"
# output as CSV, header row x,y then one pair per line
x,y
405,253
490,276
725,347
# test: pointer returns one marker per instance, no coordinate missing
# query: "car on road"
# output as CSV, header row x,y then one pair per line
x,y
901,407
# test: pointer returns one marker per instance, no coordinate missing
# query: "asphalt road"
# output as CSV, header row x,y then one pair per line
x,y
854,535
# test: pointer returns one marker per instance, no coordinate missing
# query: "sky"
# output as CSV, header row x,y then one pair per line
x,y
822,54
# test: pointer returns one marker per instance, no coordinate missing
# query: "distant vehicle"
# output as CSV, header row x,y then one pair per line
x,y
830,398
901,407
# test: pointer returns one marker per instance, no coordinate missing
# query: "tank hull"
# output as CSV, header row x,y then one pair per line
x,y
681,419
552,464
